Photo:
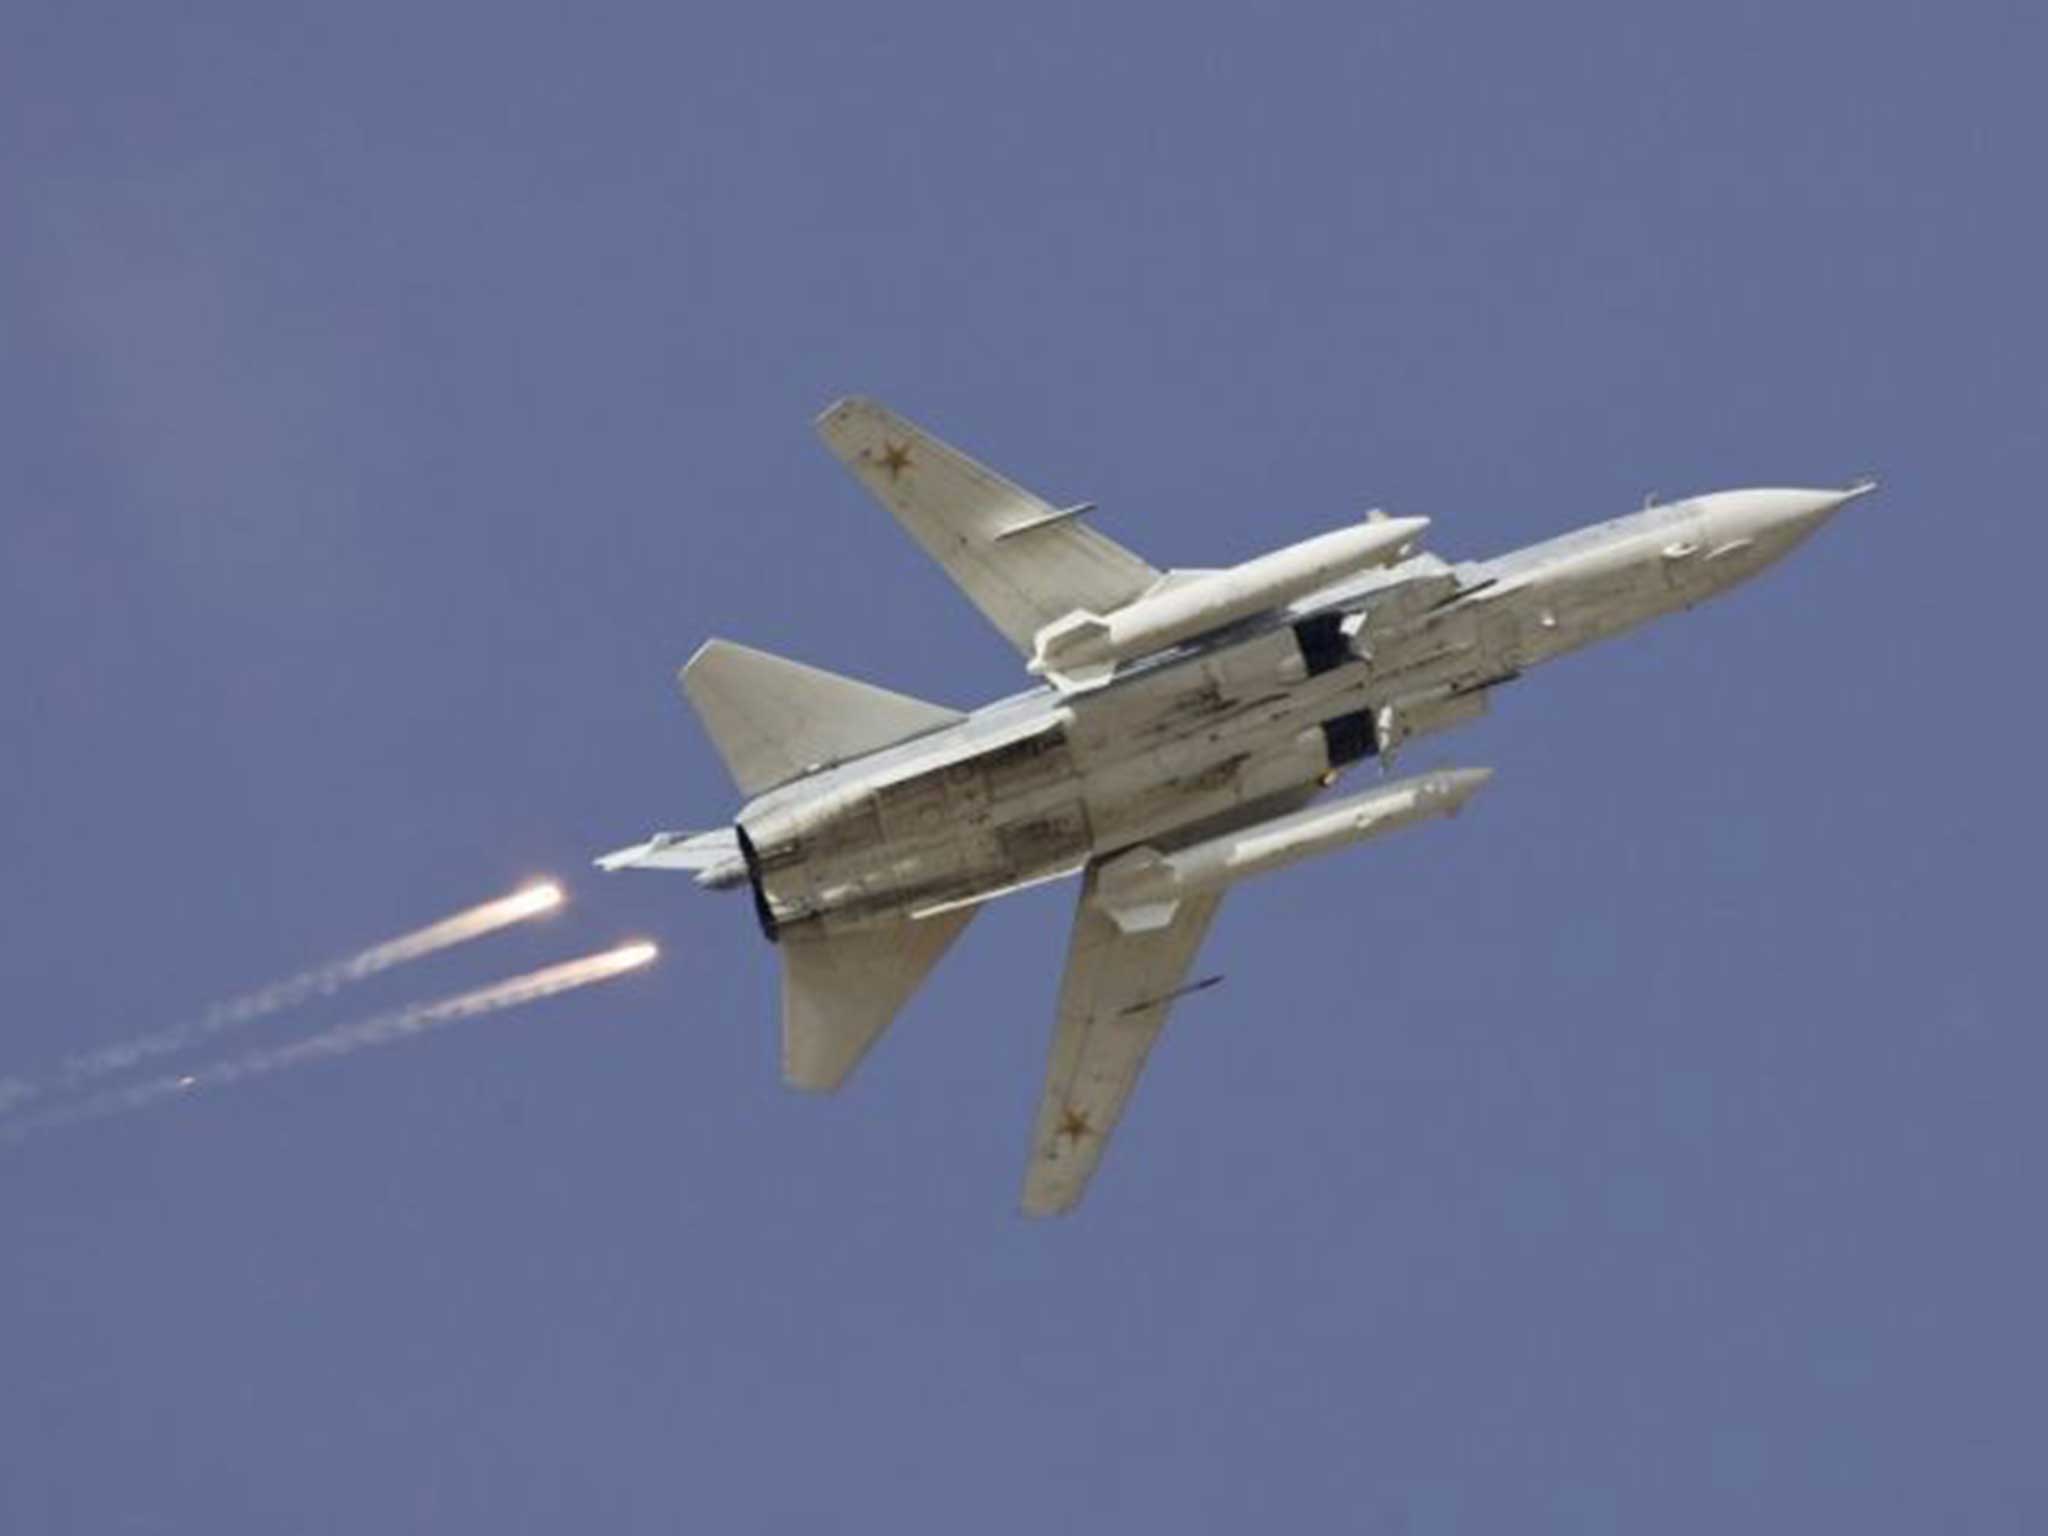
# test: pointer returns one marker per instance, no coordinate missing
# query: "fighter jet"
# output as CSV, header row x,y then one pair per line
x,y
1182,737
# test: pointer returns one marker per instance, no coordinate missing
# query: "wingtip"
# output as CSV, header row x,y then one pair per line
x,y
713,645
837,412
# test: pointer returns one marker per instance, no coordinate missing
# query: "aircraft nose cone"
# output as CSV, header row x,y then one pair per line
x,y
1784,515
1809,509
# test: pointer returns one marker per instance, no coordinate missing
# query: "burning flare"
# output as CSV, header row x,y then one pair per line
x,y
322,981
347,1039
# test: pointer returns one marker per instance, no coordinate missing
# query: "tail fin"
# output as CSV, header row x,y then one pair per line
x,y
774,720
840,992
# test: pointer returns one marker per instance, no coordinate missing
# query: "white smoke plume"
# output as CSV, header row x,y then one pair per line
x,y
347,1039
321,981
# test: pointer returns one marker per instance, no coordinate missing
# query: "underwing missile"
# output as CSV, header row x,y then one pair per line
x,y
1083,648
1142,889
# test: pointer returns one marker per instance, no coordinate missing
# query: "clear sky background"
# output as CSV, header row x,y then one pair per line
x,y
392,396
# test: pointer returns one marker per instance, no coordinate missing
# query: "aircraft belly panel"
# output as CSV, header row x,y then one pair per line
x,y
938,835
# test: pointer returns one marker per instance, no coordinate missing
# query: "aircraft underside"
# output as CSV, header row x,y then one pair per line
x,y
1195,723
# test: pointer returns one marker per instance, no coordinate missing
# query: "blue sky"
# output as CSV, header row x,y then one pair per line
x,y
394,396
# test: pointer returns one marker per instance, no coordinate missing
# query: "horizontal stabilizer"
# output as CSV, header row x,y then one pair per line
x,y
713,857
774,720
840,991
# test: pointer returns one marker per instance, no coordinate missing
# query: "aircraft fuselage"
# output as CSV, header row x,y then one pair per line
x,y
1235,726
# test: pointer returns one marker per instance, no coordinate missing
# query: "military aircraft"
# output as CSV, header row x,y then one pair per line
x,y
1187,724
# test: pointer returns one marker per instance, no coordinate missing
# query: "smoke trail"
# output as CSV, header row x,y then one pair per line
x,y
322,981
346,1039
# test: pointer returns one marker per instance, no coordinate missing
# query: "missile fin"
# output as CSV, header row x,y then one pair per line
x,y
1135,889
1144,917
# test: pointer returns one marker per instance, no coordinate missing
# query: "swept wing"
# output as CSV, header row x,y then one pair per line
x,y
1022,561
1119,988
